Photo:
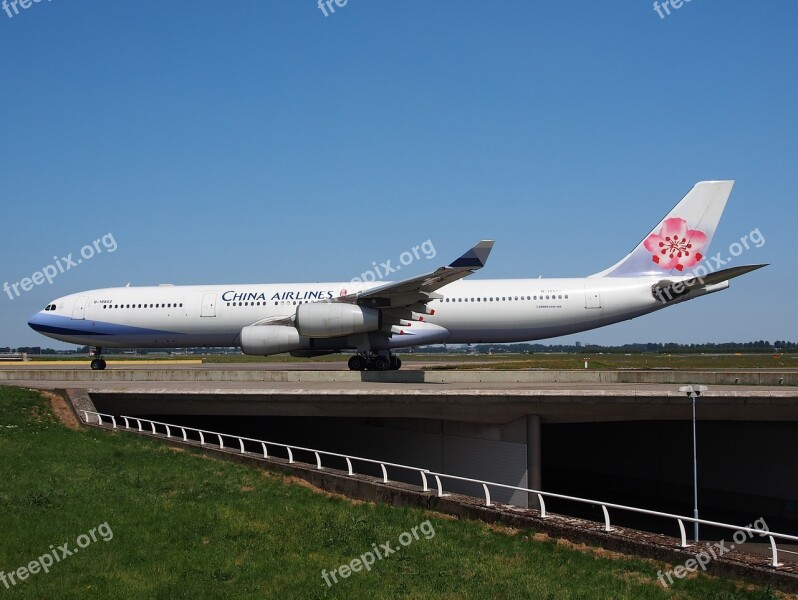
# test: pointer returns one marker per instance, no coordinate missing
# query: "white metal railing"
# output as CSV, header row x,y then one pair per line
x,y
152,427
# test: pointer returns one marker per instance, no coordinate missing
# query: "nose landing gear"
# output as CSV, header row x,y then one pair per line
x,y
98,363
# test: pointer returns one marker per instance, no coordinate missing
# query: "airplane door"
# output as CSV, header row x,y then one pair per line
x,y
208,305
79,310
592,295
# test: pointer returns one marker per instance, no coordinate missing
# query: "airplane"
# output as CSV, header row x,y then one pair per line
x,y
375,318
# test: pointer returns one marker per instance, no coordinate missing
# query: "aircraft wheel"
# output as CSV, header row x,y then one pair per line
x,y
382,363
396,363
98,364
357,363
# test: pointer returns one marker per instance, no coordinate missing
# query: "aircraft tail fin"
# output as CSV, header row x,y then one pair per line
x,y
681,240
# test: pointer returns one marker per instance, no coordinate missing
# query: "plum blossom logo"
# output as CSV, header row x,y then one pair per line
x,y
676,246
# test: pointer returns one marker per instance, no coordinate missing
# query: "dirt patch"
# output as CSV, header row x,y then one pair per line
x,y
61,409
291,479
503,529
594,550
440,515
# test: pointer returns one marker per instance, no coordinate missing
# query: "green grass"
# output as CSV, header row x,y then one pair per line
x,y
185,526
568,361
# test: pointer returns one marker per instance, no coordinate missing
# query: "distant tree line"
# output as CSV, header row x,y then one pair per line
x,y
762,346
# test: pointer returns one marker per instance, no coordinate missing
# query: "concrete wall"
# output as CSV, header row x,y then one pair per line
x,y
755,377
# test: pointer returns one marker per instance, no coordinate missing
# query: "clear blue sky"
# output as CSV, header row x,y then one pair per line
x,y
257,141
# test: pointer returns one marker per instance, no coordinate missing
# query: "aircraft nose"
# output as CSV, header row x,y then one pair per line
x,y
37,322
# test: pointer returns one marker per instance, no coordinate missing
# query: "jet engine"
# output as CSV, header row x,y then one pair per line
x,y
263,340
328,320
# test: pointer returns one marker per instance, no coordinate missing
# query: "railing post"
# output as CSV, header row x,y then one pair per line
x,y
99,418
113,420
440,487
318,461
152,425
221,443
487,495
241,443
168,432
349,466
202,437
185,437
606,518
775,561
542,507
290,455
85,416
139,423
265,452
424,480
384,473
127,423
683,533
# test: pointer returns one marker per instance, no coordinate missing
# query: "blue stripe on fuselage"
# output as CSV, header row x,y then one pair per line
x,y
58,325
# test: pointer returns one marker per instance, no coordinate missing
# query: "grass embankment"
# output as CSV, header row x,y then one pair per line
x,y
184,526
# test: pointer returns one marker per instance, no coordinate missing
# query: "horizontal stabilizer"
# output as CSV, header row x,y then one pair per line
x,y
666,290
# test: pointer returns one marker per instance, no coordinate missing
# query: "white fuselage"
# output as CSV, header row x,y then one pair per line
x,y
502,310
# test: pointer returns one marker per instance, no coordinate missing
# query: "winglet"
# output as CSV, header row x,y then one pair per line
x,y
476,257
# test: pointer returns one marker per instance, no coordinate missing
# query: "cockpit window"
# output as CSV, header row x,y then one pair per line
x,y
50,307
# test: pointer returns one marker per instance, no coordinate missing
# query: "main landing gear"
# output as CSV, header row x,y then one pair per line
x,y
97,363
375,362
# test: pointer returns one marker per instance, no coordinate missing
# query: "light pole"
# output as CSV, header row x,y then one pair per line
x,y
693,392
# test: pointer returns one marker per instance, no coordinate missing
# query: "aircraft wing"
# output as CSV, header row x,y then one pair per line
x,y
421,289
